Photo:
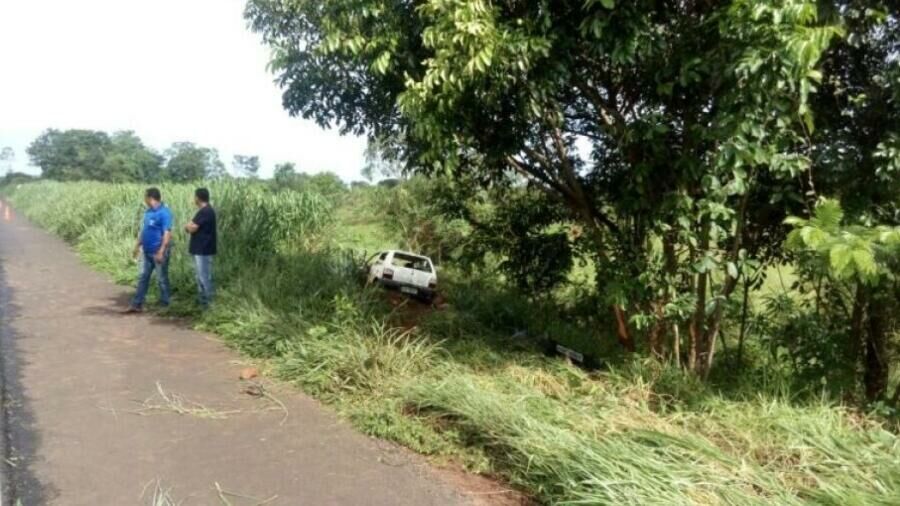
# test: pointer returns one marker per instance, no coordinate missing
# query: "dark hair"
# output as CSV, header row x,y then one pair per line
x,y
153,193
202,194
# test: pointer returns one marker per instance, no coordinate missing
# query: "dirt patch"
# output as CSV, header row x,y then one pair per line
x,y
409,312
483,490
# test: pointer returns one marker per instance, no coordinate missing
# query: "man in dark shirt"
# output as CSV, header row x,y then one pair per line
x,y
203,244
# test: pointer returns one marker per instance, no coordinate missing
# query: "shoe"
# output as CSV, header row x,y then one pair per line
x,y
133,310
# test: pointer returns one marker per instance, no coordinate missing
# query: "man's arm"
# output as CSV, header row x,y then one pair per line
x,y
167,236
160,254
194,225
137,245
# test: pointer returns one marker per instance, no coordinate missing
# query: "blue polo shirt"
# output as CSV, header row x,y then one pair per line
x,y
156,223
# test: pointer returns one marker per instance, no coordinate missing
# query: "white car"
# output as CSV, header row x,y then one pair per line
x,y
410,273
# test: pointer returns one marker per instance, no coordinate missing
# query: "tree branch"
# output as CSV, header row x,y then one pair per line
x,y
610,114
587,207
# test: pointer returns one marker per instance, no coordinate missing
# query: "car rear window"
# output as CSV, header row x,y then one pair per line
x,y
412,262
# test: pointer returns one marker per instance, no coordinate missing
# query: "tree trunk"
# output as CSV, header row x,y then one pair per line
x,y
622,327
710,343
671,266
876,370
658,331
743,330
855,346
712,324
698,321
676,347
724,346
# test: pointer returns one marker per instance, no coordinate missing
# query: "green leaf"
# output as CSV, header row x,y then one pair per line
x,y
706,264
865,262
829,214
839,257
813,236
609,4
808,121
732,270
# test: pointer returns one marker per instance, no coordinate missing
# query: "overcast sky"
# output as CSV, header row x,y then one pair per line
x,y
171,70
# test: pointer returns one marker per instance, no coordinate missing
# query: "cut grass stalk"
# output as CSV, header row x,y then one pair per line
x,y
161,496
175,403
257,389
224,495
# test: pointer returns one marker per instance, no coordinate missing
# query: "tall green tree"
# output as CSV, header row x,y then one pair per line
x,y
185,161
652,125
71,154
128,159
85,154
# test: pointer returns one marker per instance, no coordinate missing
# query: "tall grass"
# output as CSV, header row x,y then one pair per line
x,y
608,446
459,383
103,221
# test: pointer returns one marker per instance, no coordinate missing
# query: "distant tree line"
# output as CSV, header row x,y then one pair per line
x,y
71,155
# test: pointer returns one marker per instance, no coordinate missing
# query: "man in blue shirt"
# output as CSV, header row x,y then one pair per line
x,y
153,246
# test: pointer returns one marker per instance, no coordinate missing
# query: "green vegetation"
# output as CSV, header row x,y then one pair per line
x,y
461,383
657,147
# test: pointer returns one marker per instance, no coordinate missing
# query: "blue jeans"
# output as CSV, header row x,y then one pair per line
x,y
147,267
203,269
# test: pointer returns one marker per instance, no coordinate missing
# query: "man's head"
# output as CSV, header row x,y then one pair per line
x,y
152,197
201,197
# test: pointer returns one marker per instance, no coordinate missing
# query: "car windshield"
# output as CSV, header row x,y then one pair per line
x,y
412,262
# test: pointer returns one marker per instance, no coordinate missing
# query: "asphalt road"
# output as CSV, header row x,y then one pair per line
x,y
84,421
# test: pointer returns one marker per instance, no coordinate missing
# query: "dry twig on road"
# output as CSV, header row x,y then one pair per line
x,y
224,495
176,403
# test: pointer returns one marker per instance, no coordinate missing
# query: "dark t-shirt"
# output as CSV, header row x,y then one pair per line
x,y
203,241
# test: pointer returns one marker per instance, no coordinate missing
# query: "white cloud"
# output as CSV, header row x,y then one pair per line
x,y
171,70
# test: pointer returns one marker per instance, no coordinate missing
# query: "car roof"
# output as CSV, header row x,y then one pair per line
x,y
406,253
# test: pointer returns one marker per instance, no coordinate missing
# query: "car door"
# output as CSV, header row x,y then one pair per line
x,y
402,273
421,272
377,268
